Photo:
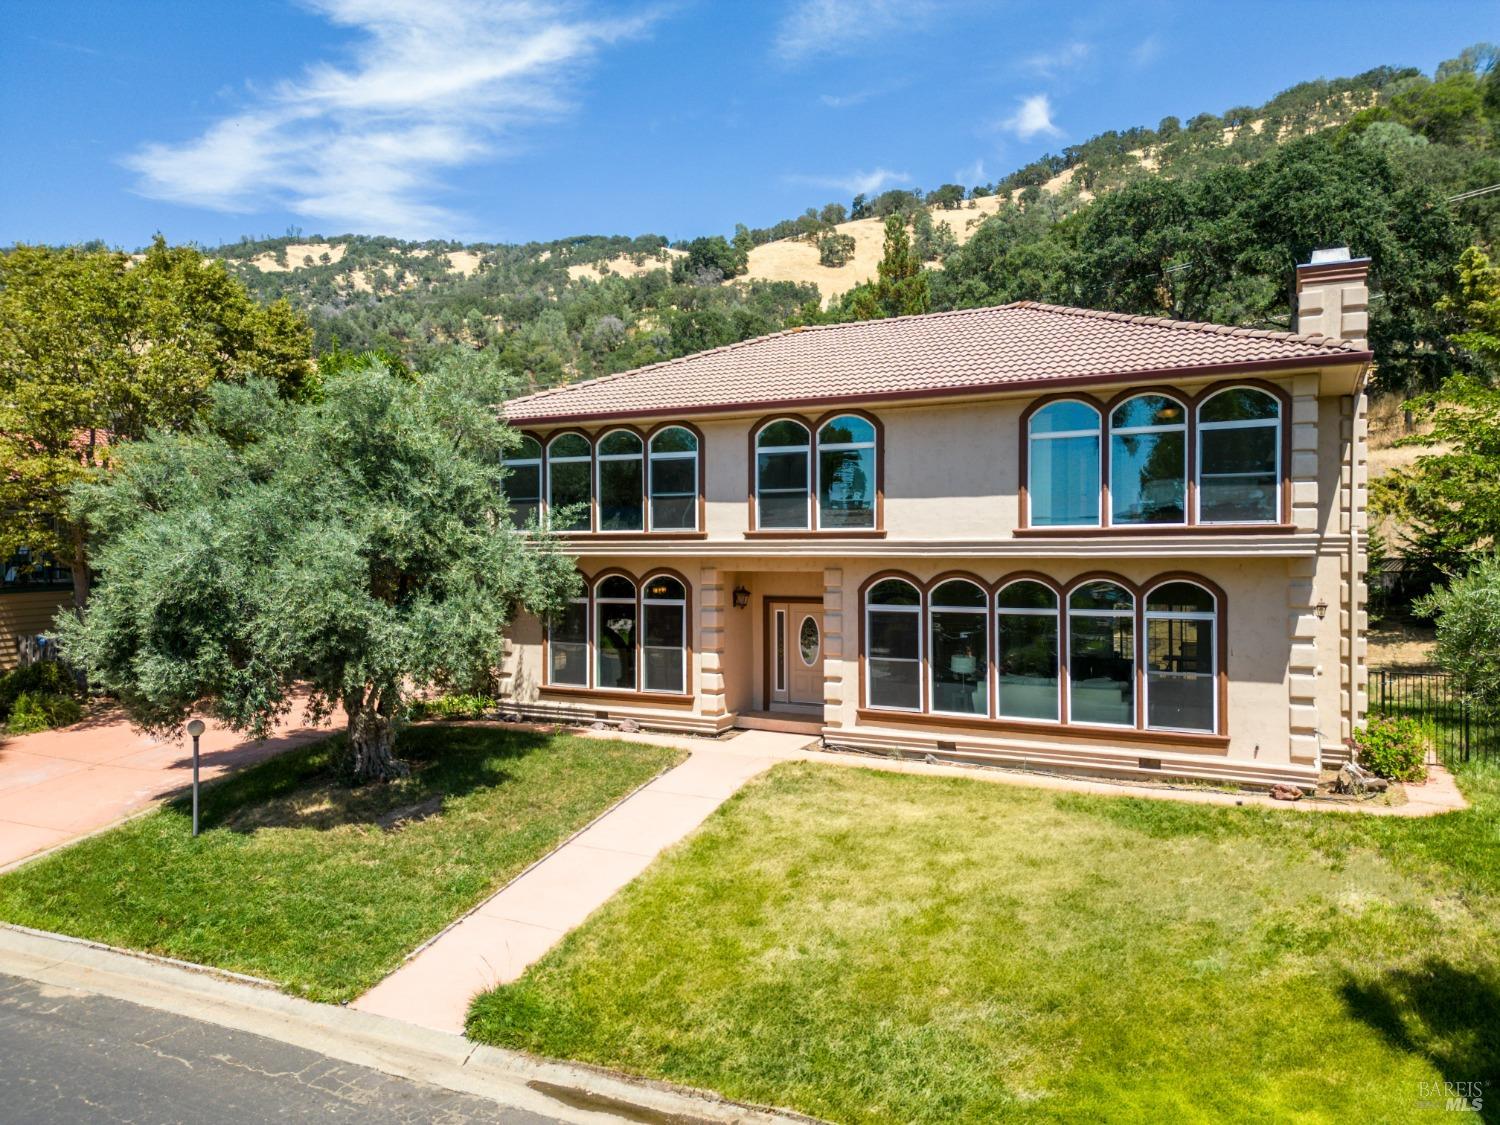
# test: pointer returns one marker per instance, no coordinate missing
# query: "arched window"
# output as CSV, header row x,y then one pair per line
x,y
569,480
568,644
1181,658
783,472
960,662
664,634
1239,457
1101,655
523,481
893,645
1148,461
621,471
846,473
1062,465
615,625
673,486
1026,636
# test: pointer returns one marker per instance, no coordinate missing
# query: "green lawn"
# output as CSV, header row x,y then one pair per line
x,y
870,946
303,880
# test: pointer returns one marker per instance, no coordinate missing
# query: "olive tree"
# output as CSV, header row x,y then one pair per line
x,y
357,548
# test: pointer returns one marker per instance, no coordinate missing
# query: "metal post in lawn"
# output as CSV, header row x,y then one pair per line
x,y
195,728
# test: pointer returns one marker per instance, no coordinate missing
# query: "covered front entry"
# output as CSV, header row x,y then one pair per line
x,y
794,655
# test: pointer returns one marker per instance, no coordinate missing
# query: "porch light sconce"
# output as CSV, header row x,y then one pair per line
x,y
741,597
1321,609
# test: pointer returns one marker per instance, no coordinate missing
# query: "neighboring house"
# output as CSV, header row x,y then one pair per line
x,y
1056,537
31,596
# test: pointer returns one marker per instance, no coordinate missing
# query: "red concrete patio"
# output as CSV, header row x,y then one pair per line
x,y
62,784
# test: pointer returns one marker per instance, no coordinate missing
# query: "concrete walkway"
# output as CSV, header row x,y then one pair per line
x,y
512,929
58,785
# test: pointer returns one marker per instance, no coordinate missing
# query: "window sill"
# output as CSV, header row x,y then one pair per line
x,y
614,695
1203,741
632,536
1153,530
792,533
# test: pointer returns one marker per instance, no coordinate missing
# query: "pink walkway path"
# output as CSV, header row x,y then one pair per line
x,y
61,784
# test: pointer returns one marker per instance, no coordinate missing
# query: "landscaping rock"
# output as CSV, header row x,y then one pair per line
x,y
599,724
1354,779
1285,792
630,726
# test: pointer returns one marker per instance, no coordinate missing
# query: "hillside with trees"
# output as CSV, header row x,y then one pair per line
x,y
1201,219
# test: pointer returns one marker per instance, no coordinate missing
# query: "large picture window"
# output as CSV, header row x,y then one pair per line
x,y
960,660
523,481
893,645
568,645
621,469
846,473
664,634
1148,461
1101,655
1239,457
615,643
783,470
1181,658
1063,486
673,477
570,470
1026,635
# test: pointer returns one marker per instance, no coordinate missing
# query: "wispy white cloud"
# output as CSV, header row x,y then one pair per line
x,y
1047,64
854,183
835,27
973,174
1147,51
845,101
1033,118
434,85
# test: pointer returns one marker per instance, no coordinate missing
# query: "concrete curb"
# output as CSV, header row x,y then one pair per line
x,y
562,1090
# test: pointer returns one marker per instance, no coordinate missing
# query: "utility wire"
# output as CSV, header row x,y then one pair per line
x,y
1473,194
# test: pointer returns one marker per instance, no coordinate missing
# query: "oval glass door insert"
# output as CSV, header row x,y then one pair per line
x,y
808,640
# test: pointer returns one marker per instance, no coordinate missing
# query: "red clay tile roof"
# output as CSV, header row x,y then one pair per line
x,y
966,351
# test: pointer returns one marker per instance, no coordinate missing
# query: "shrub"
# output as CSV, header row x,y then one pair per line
x,y
452,707
835,249
1468,633
46,677
41,710
1393,748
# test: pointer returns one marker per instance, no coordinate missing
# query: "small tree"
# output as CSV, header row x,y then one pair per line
x,y
900,287
359,546
835,249
1468,632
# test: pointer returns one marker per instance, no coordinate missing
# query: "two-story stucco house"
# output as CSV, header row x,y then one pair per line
x,y
1034,535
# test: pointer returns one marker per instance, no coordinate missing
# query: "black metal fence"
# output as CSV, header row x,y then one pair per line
x,y
1457,732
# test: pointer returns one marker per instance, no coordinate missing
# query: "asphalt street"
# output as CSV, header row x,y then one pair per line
x,y
70,1056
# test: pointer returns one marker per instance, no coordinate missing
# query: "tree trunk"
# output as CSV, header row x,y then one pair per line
x,y
82,578
372,738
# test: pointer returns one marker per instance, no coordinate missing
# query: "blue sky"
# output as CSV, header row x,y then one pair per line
x,y
510,120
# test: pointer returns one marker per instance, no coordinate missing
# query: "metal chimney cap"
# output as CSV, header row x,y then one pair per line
x,y
1331,254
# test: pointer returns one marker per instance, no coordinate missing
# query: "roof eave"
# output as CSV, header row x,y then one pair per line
x,y
1250,367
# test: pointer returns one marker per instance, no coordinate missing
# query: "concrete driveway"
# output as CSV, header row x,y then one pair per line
x,y
61,784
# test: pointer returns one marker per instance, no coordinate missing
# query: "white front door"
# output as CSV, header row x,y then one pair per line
x,y
795,645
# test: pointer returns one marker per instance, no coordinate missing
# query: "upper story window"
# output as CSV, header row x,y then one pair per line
x,y
1063,465
621,473
673,479
846,473
570,465
1157,459
822,479
1239,457
1148,461
783,475
523,481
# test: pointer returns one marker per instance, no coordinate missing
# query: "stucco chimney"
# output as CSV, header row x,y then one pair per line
x,y
1333,296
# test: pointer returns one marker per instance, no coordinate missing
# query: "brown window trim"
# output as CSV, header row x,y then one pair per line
x,y
1046,729
1191,402
812,530
1155,530
592,532
689,692
667,698
1063,726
